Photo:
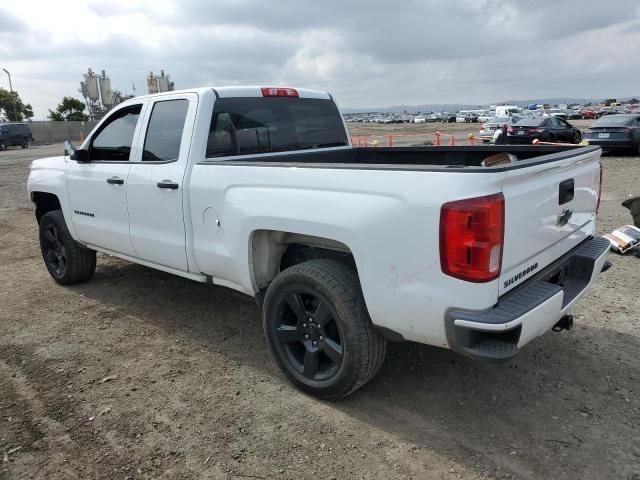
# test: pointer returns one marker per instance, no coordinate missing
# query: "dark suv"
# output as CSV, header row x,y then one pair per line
x,y
15,134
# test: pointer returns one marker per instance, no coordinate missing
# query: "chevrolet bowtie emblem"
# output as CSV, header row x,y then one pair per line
x,y
564,217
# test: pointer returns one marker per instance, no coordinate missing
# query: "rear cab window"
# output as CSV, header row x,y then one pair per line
x,y
251,125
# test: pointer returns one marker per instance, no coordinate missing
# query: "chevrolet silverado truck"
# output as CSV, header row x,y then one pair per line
x,y
258,189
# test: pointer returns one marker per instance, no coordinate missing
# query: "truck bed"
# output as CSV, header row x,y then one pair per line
x,y
413,158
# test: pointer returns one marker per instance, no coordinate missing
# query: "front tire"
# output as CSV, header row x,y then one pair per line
x,y
319,331
67,261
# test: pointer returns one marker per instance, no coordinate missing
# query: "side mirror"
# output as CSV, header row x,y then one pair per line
x,y
80,156
69,149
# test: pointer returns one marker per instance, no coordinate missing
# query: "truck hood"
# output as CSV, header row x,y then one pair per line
x,y
50,163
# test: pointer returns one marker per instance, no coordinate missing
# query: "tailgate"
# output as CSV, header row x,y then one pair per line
x,y
550,207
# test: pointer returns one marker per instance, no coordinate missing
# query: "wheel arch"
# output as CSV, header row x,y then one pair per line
x,y
45,202
271,251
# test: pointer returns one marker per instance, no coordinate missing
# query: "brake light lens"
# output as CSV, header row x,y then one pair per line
x,y
472,238
279,92
536,130
510,130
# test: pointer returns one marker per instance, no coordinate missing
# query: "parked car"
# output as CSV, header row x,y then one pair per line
x,y
615,132
507,110
350,248
546,129
608,111
448,117
466,118
15,134
490,127
556,112
419,119
573,115
433,117
588,113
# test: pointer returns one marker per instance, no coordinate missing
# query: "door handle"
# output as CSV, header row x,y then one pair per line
x,y
168,184
115,181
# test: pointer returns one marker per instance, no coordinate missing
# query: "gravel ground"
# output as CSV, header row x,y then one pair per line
x,y
138,374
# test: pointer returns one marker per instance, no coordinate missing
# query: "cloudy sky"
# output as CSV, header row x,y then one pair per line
x,y
367,53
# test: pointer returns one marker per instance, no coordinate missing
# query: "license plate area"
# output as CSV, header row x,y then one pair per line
x,y
603,135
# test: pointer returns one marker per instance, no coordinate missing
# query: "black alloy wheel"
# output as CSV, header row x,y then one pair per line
x,y
308,333
67,261
53,251
319,330
578,137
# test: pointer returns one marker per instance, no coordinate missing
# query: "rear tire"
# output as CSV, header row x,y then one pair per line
x,y
578,137
67,261
25,144
319,331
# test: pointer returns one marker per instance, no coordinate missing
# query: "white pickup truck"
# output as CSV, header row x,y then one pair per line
x,y
258,189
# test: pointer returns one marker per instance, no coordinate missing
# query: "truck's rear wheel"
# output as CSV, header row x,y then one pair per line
x,y
319,330
67,261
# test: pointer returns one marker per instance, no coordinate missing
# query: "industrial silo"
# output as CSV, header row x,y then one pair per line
x,y
105,90
152,83
163,82
91,83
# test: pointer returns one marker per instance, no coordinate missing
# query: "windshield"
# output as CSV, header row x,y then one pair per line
x,y
242,126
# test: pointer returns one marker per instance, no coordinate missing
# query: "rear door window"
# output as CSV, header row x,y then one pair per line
x,y
164,132
241,126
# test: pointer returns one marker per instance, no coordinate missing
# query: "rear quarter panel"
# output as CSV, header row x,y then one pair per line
x,y
388,219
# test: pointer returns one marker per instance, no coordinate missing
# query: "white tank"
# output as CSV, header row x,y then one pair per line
x,y
91,82
163,84
152,84
105,91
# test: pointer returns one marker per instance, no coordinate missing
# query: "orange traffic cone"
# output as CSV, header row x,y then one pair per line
x,y
472,139
437,138
453,141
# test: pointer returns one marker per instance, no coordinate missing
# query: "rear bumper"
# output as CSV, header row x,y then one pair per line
x,y
521,140
612,144
530,310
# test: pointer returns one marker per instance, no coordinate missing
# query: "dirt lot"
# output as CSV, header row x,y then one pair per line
x,y
138,374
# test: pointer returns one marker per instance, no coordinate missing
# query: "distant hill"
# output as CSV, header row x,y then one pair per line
x,y
454,107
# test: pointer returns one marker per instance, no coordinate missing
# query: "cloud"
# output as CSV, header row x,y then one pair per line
x,y
370,53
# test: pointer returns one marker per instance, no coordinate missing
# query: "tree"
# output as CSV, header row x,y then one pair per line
x,y
70,109
12,107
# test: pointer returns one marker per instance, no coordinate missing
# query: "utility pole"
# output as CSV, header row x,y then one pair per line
x,y
15,111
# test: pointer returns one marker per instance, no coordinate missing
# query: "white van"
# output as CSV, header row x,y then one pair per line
x,y
507,110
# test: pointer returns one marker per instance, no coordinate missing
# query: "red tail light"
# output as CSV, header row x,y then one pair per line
x,y
279,92
536,130
510,130
472,238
